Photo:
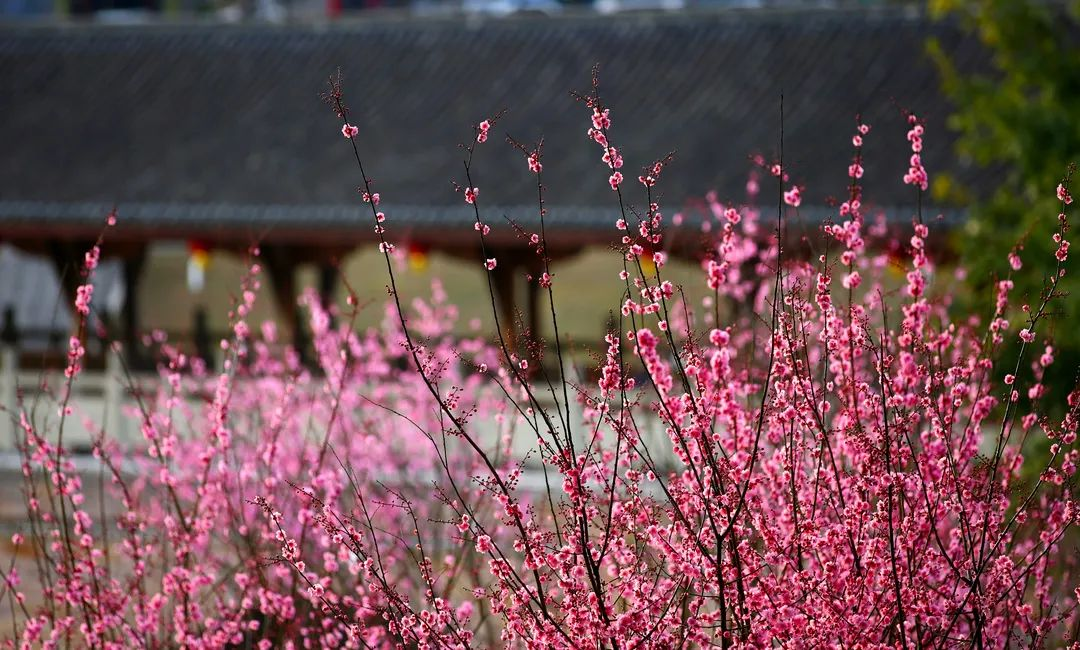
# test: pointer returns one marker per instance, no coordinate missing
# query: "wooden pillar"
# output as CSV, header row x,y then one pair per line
x,y
535,266
129,314
502,279
532,290
204,343
328,280
281,267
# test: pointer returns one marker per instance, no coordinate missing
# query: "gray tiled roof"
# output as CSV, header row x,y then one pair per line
x,y
226,121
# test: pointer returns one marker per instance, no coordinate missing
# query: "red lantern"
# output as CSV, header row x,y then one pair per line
x,y
198,261
418,256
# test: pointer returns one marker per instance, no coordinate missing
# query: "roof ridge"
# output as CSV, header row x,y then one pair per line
x,y
387,20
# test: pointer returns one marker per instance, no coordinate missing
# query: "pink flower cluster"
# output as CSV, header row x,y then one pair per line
x,y
601,122
916,174
793,197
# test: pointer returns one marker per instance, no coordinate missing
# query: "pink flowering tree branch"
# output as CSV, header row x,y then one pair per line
x,y
789,463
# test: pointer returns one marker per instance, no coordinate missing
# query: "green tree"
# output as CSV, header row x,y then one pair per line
x,y
1019,117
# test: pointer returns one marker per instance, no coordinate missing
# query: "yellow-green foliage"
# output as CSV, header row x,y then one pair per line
x,y
1020,117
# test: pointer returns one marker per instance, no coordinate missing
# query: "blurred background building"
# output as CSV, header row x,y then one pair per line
x,y
210,138
202,123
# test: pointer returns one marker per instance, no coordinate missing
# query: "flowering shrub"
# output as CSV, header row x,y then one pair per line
x,y
838,468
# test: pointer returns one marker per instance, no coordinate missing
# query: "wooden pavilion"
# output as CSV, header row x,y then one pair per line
x,y
217,134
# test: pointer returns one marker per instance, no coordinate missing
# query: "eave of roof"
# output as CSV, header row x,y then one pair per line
x,y
351,225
